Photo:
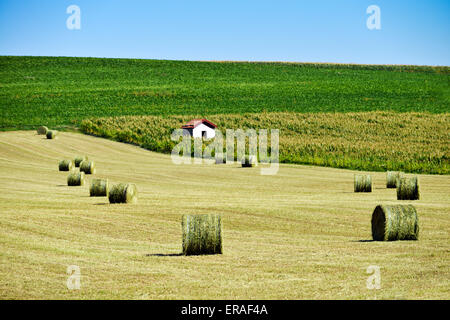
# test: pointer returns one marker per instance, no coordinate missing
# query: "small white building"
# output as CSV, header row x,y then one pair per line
x,y
200,128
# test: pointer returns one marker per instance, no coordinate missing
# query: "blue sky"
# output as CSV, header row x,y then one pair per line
x,y
412,32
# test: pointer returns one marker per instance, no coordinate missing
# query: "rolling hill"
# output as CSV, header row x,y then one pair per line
x,y
61,91
300,234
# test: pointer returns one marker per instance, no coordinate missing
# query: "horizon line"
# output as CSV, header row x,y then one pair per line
x,y
239,61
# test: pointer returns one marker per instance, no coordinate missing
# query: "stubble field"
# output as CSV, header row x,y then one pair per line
x,y
300,234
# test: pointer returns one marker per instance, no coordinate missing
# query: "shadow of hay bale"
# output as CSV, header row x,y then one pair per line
x,y
164,254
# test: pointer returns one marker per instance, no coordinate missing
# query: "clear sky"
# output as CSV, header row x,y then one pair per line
x,y
412,32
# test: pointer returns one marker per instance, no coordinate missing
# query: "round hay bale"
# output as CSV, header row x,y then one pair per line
x,y
123,193
202,234
87,167
99,188
249,161
392,178
76,179
51,134
65,165
79,159
408,189
42,130
220,160
363,183
396,222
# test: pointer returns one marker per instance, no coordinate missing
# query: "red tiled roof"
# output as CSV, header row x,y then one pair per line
x,y
195,122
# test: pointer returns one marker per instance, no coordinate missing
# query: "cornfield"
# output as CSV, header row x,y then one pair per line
x,y
372,141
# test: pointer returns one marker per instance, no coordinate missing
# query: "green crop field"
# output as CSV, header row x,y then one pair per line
x,y
59,92
376,141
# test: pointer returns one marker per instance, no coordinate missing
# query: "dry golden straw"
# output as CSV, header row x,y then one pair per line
x,y
65,165
392,178
202,234
396,222
221,159
123,193
51,134
76,179
249,161
408,189
363,183
42,130
87,167
79,159
99,188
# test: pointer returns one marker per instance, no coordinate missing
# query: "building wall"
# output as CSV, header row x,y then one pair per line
x,y
197,132
187,132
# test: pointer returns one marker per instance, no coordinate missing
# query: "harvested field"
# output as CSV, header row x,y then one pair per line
x,y
300,234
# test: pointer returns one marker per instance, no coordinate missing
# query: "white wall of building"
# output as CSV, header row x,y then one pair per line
x,y
197,132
